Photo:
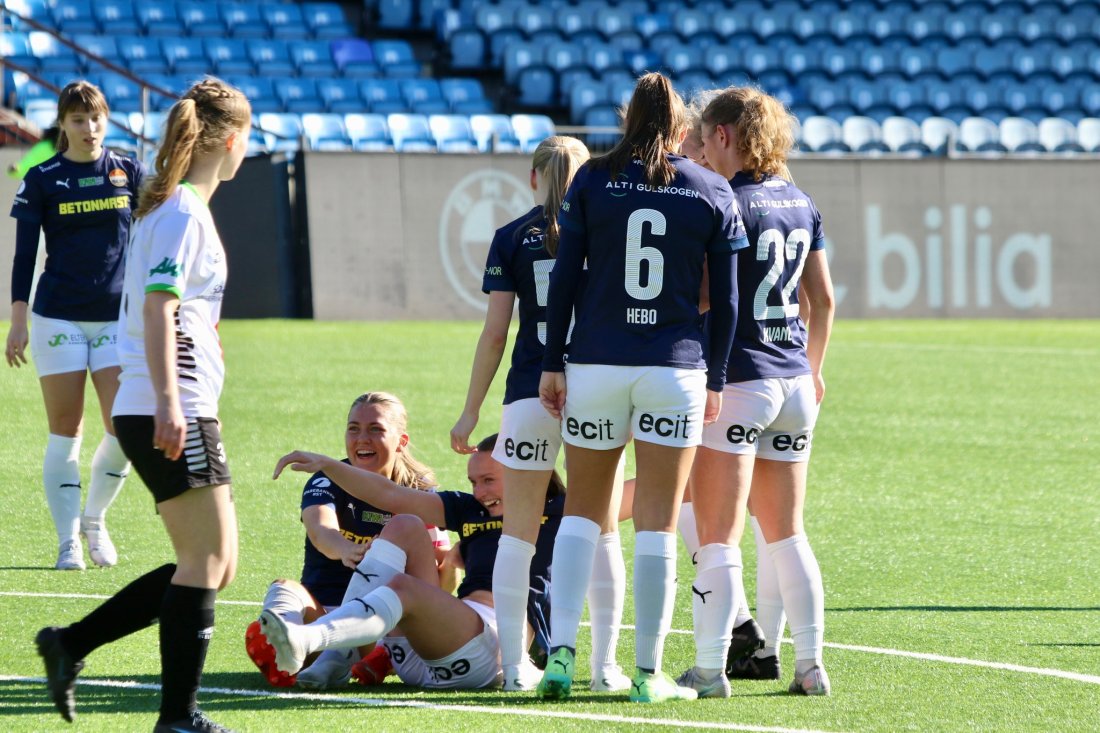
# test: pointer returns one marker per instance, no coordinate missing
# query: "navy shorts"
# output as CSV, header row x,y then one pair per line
x,y
202,462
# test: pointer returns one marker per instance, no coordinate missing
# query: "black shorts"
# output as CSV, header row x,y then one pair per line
x,y
201,464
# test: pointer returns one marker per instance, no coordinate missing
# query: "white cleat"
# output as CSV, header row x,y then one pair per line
x,y
813,682
70,556
522,678
290,648
609,679
331,669
100,547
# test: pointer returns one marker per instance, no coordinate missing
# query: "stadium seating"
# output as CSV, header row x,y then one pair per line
x,y
979,135
823,135
452,133
1088,134
368,132
903,135
1059,136
325,131
410,133
493,133
939,134
1020,135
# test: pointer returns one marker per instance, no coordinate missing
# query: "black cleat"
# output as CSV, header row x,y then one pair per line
x,y
753,667
61,670
746,639
197,723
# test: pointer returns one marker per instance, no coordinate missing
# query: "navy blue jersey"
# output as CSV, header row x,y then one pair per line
x,y
327,579
519,263
783,226
478,537
84,211
645,246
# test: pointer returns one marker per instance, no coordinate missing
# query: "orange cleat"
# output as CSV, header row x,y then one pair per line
x,y
262,655
374,668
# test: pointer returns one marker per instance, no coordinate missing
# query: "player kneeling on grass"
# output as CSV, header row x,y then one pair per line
x,y
339,529
434,639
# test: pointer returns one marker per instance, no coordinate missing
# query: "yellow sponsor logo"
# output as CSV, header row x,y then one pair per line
x,y
86,207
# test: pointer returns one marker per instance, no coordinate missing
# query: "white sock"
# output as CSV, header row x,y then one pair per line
x,y
713,599
382,561
511,588
574,551
606,594
803,594
654,595
769,601
286,601
109,469
689,532
61,476
358,622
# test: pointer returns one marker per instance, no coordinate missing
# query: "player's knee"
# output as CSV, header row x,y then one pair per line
x,y
404,530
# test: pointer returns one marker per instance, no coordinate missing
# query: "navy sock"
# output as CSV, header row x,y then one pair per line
x,y
131,609
186,625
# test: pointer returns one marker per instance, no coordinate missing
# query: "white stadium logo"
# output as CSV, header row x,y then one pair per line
x,y
477,206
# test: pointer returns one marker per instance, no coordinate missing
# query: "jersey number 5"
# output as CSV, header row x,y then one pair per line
x,y
542,270
795,248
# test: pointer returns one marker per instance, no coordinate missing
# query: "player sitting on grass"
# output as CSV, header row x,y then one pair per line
x,y
434,639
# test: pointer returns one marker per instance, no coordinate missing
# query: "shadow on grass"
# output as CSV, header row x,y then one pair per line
x,y
964,609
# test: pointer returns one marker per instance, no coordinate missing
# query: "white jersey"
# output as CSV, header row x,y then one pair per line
x,y
175,249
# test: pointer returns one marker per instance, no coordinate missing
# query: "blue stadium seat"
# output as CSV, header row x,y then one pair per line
x,y
383,96
1088,134
690,84
640,61
452,133
142,55
326,21
202,19
775,24
354,57
152,125
562,56
185,55
810,23
467,49
465,96
168,83
312,58
1060,100
870,99
583,95
979,135
260,91
1037,26
244,20
915,62
410,133
23,89
1019,135
690,22
603,57
49,53
298,95
1024,100
845,24
368,132
75,16
720,60
396,15
395,58
325,131
423,96
650,24
492,18
730,23
340,95
116,17
863,135
840,60
963,24
902,135
41,112
572,20
499,43
532,19
1058,135
683,58
1070,62
611,20
282,131
537,86
158,18
122,94
757,59
939,134
530,130
879,60
285,20
887,23
494,133
926,23
828,96
602,115
1090,99
119,133
995,26
518,56
271,56
103,46
228,56
627,41
823,135
620,90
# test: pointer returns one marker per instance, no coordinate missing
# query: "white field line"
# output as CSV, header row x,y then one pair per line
x,y
975,348
376,702
1063,674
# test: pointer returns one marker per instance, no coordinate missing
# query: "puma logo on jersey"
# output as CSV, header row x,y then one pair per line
x,y
64,184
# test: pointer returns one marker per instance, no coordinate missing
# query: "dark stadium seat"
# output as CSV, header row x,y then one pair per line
x,y
285,20
185,55
354,58
537,86
465,96
584,95
326,20
298,95
1037,25
729,23
603,57
532,19
395,58
641,61
395,15
963,24
201,19
383,96
719,60
142,55
572,20
270,55
228,55
925,23
75,16
683,58
340,95
423,96
368,132
518,56
452,133
562,56
887,23
758,59
1025,99
986,100
243,20
1059,100
410,133
840,60
810,23
878,60
845,24
312,58
690,22
494,133
325,131
651,24
282,131
902,135
490,18
499,43
116,17
990,62
601,115
467,49
611,20
1019,135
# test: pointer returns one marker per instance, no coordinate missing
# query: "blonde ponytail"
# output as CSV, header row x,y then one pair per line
x,y
557,158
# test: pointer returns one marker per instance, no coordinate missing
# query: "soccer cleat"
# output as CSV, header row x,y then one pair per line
x,y
374,668
813,682
61,671
745,639
70,556
658,687
196,723
290,650
609,679
331,669
262,655
718,686
100,547
753,667
557,679
522,677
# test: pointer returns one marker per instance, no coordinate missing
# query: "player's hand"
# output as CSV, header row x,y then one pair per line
x,y
552,392
460,434
352,554
169,430
713,408
819,387
16,348
302,461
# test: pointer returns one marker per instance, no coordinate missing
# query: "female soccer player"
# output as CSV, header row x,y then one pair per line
x,y
440,641
166,411
774,388
518,266
644,220
81,198
339,529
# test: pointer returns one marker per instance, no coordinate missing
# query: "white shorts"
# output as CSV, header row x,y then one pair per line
x,y
605,404
770,418
475,665
529,438
59,346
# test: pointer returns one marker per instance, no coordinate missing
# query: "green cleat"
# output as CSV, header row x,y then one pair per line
x,y
658,687
557,680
